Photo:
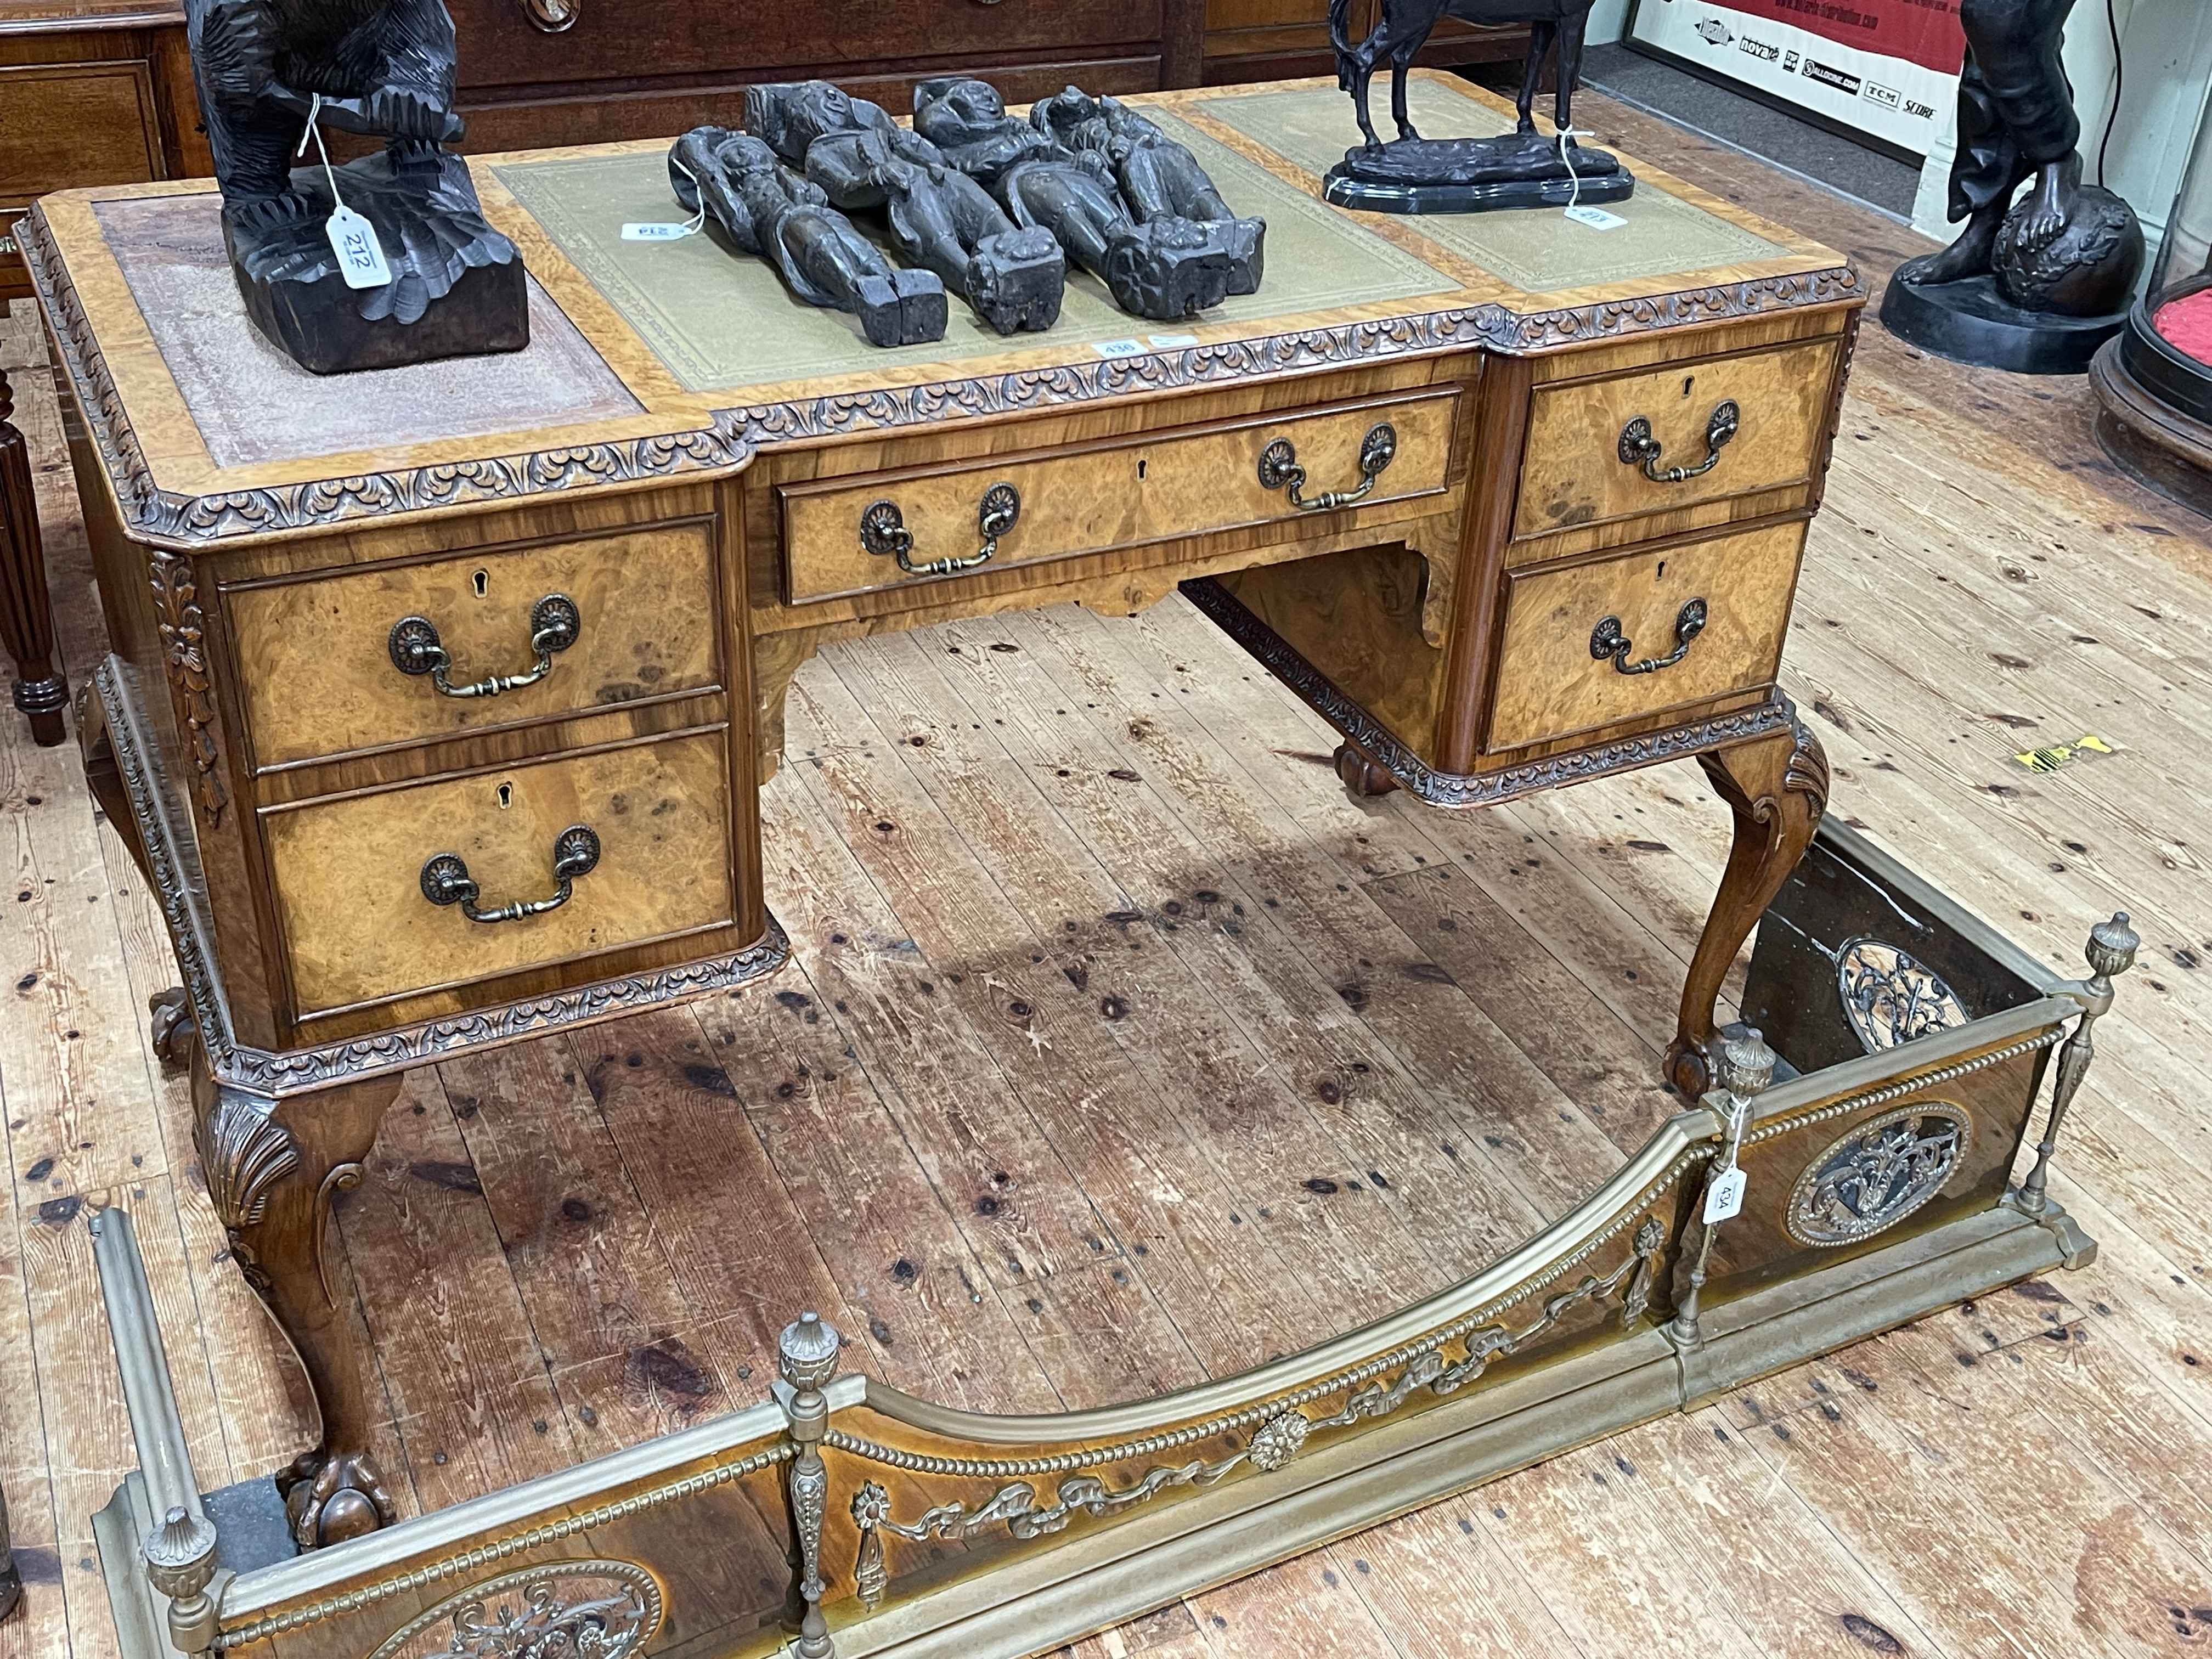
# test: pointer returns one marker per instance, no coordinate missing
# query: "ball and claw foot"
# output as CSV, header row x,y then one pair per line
x,y
330,1496
1689,1069
174,1028
1360,775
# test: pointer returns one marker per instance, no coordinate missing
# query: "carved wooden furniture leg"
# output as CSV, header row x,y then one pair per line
x,y
26,614
1777,789
273,1168
1361,775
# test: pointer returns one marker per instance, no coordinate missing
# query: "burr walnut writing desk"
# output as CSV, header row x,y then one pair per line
x,y
1511,501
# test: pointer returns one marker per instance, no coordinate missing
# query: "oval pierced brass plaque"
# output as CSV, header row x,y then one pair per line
x,y
599,1608
1880,1173
1891,997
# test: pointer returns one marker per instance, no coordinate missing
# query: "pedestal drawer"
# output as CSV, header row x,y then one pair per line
x,y
353,895
1601,641
321,672
1758,419
844,536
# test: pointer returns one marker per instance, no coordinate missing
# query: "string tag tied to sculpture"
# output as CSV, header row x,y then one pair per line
x,y
353,239
1595,217
666,232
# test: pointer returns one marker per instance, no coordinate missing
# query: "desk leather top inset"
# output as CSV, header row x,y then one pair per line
x,y
645,376
723,323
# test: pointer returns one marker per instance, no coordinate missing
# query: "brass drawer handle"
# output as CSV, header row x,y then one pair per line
x,y
1638,445
1607,640
1280,470
446,878
554,622
884,532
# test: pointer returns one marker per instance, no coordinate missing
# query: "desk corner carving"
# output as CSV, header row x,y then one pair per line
x,y
183,627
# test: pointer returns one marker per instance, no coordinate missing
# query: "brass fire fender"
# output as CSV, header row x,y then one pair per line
x,y
927,1533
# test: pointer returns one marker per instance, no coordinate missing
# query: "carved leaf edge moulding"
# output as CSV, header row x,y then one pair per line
x,y
187,521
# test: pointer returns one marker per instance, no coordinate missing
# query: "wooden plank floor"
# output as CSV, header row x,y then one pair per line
x,y
1122,1049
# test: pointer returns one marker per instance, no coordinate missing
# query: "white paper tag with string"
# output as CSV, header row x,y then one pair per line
x,y
1724,1195
353,239
360,255
662,231
1595,217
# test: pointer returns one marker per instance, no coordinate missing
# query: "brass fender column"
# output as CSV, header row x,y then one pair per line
x,y
806,1354
1745,1066
2111,952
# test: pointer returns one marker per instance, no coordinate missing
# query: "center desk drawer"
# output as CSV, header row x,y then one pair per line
x,y
1118,493
1719,609
1579,471
320,677
352,890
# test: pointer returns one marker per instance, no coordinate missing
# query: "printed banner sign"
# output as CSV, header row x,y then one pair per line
x,y
1886,68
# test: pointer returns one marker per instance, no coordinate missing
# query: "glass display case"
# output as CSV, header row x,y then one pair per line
x,y
2155,380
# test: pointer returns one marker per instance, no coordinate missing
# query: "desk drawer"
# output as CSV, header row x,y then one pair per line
x,y
1100,497
70,125
317,673
350,883
1576,474
1554,680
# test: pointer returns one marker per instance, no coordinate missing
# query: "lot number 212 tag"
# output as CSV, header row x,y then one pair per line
x,y
360,255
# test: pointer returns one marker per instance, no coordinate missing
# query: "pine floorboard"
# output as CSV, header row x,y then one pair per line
x,y
1122,1048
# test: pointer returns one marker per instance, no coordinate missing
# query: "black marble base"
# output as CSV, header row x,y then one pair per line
x,y
1351,192
458,288
1475,175
1970,322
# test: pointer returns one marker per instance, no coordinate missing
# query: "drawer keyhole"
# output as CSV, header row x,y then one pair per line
x,y
505,796
1688,380
481,581
1141,465
1663,570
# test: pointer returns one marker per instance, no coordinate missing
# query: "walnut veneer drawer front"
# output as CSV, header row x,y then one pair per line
x,y
620,618
1758,419
352,892
1094,498
1605,640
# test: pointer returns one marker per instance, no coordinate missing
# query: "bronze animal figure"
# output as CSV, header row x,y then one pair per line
x,y
1404,30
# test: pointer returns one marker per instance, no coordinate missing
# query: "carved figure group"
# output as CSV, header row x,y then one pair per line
x,y
938,216
383,69
987,205
1065,168
754,205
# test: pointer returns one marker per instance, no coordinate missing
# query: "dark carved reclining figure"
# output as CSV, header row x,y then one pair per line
x,y
1159,179
1164,268
755,204
938,217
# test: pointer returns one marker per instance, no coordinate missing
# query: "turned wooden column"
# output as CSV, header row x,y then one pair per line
x,y
27,615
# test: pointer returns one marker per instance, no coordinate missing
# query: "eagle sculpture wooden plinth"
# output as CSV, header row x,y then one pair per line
x,y
381,69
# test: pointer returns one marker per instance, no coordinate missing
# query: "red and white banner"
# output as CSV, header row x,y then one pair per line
x,y
1887,68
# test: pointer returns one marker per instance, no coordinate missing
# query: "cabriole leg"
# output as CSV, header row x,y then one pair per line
x,y
1777,789
273,1169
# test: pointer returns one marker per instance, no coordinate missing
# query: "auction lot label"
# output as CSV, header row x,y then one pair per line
x,y
1886,68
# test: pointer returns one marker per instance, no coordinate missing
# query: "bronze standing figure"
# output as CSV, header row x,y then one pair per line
x,y
2039,284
